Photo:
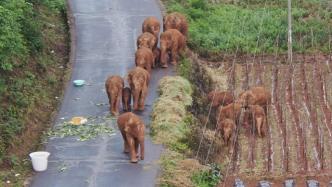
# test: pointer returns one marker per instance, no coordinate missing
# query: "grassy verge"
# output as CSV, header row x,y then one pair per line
x,y
172,125
32,75
254,26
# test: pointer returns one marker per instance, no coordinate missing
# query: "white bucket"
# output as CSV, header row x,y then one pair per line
x,y
39,160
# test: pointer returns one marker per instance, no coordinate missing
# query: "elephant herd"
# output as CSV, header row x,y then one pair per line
x,y
147,57
249,108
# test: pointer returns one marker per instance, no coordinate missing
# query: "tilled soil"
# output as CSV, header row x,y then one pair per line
x,y
298,143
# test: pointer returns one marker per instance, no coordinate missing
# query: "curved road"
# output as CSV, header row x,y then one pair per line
x,y
106,32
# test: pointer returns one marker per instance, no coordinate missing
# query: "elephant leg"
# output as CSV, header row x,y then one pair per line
x,y
259,122
117,104
136,147
109,100
135,99
132,151
142,98
148,68
125,143
141,145
174,54
113,103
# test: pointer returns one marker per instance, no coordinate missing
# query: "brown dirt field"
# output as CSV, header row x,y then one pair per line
x,y
299,135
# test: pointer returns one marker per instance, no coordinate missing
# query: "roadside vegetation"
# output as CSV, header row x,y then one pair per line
x,y
254,26
33,68
173,125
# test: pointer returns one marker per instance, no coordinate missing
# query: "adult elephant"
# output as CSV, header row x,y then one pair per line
x,y
138,79
177,21
255,96
132,130
152,25
146,39
144,58
171,41
114,85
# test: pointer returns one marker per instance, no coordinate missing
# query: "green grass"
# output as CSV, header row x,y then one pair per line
x,y
208,178
170,123
33,58
254,27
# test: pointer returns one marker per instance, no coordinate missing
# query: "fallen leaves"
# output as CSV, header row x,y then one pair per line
x,y
84,132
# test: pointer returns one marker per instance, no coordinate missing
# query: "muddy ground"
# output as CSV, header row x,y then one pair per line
x,y
299,131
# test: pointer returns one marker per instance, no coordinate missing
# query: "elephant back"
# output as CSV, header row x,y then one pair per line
x,y
138,77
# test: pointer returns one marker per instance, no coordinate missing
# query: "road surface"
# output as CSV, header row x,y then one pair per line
x,y
105,33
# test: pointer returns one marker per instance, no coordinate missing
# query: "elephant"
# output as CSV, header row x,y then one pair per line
x,y
171,41
144,58
126,99
114,85
255,96
177,21
256,114
146,39
226,126
152,25
132,131
156,54
218,98
138,79
231,111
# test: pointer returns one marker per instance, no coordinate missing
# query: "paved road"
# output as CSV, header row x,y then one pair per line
x,y
106,32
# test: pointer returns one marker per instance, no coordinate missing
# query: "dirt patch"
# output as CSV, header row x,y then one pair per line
x,y
298,141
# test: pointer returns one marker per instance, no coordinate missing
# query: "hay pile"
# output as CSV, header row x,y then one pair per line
x,y
169,111
170,125
177,89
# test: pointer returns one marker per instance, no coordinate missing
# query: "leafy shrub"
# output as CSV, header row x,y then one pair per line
x,y
22,46
207,178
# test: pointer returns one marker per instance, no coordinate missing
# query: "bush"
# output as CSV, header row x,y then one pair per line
x,y
208,177
22,47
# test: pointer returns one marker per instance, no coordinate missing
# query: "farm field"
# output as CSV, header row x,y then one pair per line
x,y
241,44
254,26
299,139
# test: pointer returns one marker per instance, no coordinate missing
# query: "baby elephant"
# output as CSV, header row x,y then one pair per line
x,y
171,41
126,99
227,126
144,58
255,114
231,111
218,98
114,86
177,21
132,130
156,55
